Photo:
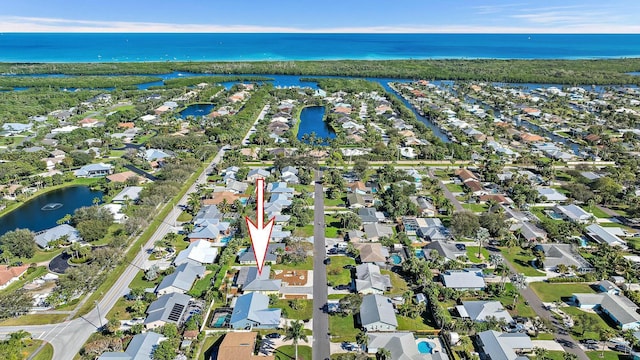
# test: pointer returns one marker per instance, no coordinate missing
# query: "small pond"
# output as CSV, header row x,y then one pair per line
x,y
196,110
312,122
43,211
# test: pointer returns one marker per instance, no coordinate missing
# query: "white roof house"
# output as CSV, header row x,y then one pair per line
x,y
601,235
199,252
504,346
369,280
468,279
574,213
131,193
483,310
377,314
401,346
43,238
551,194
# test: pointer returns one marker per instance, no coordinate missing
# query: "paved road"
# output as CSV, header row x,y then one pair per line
x,y
261,116
536,304
321,342
448,194
68,337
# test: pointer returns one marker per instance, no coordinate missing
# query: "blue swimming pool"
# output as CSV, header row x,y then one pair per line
x,y
419,253
425,347
396,259
226,239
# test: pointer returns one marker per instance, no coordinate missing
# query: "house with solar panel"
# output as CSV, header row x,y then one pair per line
x,y
167,309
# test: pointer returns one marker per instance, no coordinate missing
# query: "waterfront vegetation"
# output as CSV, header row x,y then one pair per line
x,y
84,82
605,71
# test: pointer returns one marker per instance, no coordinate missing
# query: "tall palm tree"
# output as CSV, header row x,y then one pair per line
x,y
295,332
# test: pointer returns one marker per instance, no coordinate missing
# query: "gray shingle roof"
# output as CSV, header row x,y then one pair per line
x,y
255,307
368,276
168,308
501,346
377,308
43,239
182,278
481,310
464,279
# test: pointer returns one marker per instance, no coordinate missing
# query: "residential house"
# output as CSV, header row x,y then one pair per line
x,y
124,176
370,215
88,122
556,254
431,229
167,309
465,175
209,229
45,237
140,347
369,280
447,250
200,252
529,231
9,274
355,236
376,230
606,286
372,253
248,257
355,201
551,194
116,210
252,311
377,313
622,311
573,213
601,234
481,311
475,188
425,206
181,279
249,280
254,174
94,170
358,187
467,279
504,346
401,346
239,346
156,155
11,129
130,193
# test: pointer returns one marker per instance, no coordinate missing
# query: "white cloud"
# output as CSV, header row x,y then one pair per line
x,y
554,22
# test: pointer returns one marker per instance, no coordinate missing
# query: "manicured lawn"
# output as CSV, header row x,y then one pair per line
x,y
332,226
554,355
599,321
342,328
336,273
306,265
521,261
185,216
140,282
307,230
304,311
475,207
549,292
201,285
521,308
41,256
454,188
608,355
119,310
411,324
208,346
300,187
597,212
335,202
398,285
34,319
472,254
288,352
45,354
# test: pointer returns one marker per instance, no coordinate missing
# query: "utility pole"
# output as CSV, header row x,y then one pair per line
x,y
99,316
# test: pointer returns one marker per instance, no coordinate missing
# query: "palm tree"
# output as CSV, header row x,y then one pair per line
x,y
383,354
605,335
295,332
569,356
362,339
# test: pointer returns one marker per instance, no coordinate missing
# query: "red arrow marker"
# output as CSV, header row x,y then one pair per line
x,y
258,231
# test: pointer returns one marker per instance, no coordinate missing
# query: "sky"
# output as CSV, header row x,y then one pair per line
x,y
322,16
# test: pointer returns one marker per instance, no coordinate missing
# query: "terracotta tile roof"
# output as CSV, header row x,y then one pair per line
x,y
239,346
123,176
465,174
126,125
8,273
527,137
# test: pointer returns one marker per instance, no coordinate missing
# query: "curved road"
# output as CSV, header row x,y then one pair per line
x,y
68,337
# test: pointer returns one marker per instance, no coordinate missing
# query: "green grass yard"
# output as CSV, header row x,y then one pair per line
x,y
304,311
549,292
598,320
398,285
306,265
411,324
454,188
472,254
288,352
342,328
521,261
336,273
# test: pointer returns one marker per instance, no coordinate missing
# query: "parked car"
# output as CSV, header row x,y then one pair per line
x,y
273,336
461,247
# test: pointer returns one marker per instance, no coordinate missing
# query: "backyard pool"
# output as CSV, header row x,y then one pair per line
x,y
396,259
419,253
425,347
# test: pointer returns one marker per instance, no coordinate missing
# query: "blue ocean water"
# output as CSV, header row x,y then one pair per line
x,y
128,47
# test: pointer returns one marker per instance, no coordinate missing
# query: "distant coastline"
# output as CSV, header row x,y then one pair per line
x,y
162,47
